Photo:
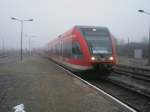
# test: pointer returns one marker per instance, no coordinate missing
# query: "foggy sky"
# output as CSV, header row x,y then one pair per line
x,y
53,17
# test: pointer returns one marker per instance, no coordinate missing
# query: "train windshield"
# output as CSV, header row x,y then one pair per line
x,y
98,41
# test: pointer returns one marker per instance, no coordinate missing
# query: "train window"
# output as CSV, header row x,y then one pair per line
x,y
99,41
76,50
67,52
95,32
57,49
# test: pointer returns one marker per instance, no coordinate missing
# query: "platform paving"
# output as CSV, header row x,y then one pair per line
x,y
41,86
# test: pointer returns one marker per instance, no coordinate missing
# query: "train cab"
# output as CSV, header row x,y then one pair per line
x,y
84,48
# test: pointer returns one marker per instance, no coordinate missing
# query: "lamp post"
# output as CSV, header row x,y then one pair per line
x,y
21,21
145,12
30,36
2,45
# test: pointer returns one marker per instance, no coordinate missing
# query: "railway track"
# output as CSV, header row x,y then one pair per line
x,y
137,101
135,78
115,86
136,72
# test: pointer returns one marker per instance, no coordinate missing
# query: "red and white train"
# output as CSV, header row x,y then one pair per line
x,y
84,48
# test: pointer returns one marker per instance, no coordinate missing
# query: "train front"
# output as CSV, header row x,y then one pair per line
x,y
101,47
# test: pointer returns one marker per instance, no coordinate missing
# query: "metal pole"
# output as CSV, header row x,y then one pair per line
x,y
149,48
21,57
142,11
29,46
21,50
128,48
3,46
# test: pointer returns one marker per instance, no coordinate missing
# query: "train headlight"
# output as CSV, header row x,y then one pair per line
x,y
111,58
93,58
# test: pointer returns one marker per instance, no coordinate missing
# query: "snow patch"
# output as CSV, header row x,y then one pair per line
x,y
19,108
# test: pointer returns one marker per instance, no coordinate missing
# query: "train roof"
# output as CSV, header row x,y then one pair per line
x,y
98,27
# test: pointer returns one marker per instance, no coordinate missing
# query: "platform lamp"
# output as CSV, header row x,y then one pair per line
x,y
30,36
21,21
145,12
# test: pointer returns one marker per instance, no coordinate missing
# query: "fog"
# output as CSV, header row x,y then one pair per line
x,y
53,17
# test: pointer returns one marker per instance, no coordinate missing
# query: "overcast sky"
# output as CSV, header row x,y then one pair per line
x,y
53,17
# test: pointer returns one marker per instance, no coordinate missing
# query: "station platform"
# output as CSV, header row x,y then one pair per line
x,y
42,86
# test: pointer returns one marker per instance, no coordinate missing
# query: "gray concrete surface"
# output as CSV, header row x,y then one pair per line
x,y
43,87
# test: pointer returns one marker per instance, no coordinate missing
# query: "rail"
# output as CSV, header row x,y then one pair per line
x,y
133,71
